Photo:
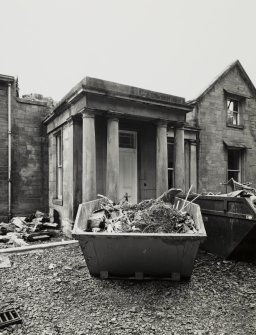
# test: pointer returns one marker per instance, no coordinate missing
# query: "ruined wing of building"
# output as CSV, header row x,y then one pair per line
x,y
24,151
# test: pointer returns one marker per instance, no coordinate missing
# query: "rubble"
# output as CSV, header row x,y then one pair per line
x,y
21,231
4,262
217,300
149,216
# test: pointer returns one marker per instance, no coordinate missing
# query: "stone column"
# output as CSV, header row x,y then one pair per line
x,y
193,165
112,169
89,157
179,159
74,165
161,158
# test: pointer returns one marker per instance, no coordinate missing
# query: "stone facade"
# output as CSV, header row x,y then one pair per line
x,y
29,152
89,119
217,136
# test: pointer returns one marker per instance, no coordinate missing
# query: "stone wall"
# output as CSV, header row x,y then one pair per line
x,y
3,149
212,118
29,158
29,173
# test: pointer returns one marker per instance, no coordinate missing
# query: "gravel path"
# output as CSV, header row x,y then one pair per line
x,y
55,294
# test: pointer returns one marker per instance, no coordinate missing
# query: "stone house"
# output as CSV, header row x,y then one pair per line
x,y
123,142
225,113
120,141
23,152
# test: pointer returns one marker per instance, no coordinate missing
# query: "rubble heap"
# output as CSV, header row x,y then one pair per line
x,y
35,227
149,216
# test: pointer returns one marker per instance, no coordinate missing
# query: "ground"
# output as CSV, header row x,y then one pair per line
x,y
55,294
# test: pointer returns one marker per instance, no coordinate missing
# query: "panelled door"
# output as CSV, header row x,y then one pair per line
x,y
128,165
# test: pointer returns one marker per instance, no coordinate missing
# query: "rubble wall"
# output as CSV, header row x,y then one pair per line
x,y
3,150
29,157
212,116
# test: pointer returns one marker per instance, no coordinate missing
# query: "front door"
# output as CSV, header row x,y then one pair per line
x,y
128,165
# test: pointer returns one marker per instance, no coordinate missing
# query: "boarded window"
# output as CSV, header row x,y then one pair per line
x,y
59,167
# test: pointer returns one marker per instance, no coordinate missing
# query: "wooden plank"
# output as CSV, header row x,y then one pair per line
x,y
38,246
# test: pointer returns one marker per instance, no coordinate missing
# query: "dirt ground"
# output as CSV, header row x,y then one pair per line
x,y
54,294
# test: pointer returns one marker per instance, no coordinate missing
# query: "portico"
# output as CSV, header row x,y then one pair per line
x,y
119,140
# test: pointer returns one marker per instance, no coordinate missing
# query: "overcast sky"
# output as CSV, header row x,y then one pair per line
x,y
172,46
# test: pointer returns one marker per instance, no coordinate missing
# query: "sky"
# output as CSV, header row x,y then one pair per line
x,y
171,46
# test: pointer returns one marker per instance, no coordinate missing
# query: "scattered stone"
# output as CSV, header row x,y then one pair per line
x,y
4,262
68,302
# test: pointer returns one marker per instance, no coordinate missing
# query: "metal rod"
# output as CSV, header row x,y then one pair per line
x,y
186,198
192,200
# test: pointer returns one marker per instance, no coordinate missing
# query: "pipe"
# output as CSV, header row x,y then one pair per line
x,y
9,151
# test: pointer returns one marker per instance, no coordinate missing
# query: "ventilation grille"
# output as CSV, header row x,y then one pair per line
x,y
9,317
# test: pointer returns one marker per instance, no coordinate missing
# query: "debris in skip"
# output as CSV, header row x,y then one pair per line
x,y
149,216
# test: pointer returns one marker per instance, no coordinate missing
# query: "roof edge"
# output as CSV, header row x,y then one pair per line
x,y
7,79
221,76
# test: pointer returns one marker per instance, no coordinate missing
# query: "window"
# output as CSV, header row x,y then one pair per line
x,y
170,148
127,139
233,112
234,164
59,168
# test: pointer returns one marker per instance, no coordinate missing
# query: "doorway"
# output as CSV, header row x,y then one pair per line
x,y
128,165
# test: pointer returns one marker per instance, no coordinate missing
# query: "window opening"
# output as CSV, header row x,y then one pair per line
x,y
233,112
127,140
234,164
59,171
170,150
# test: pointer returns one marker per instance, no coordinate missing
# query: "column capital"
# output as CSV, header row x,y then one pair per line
x,y
179,125
112,115
88,113
162,123
73,119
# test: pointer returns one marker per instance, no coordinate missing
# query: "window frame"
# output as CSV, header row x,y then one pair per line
x,y
58,138
170,141
235,113
133,135
240,164
241,100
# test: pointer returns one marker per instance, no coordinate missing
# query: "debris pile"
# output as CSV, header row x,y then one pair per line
x,y
35,227
149,216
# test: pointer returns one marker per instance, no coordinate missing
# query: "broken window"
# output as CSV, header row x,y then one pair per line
x,y
233,112
170,148
59,171
234,164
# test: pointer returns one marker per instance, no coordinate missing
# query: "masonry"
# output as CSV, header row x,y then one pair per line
x,y
227,142
29,152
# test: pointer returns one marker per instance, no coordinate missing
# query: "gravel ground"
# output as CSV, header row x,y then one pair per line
x,y
54,294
